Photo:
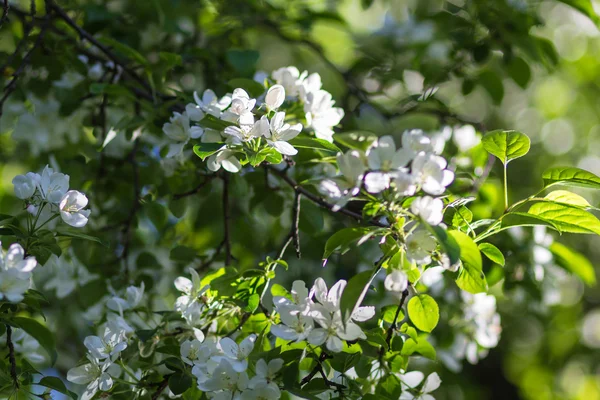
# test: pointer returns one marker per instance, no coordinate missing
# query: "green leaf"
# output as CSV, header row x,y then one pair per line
x,y
567,218
243,61
253,88
492,252
492,83
470,276
569,198
344,239
79,235
170,59
211,122
39,333
54,383
448,243
523,219
125,50
204,150
519,71
179,382
570,176
424,312
506,145
314,143
355,292
574,262
418,345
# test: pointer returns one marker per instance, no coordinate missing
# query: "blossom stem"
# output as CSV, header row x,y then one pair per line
x,y
49,219
505,189
226,217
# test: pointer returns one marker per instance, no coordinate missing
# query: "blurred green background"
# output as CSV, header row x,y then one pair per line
x,y
525,65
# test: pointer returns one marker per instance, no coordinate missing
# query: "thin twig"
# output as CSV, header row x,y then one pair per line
x,y
319,369
207,179
85,35
11,356
12,85
163,385
239,326
5,9
295,230
392,328
226,217
319,201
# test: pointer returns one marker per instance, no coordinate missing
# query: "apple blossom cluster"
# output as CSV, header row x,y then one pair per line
x,y
101,365
47,195
299,316
15,273
239,125
406,171
221,368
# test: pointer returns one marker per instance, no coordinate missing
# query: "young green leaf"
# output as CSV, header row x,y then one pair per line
x,y
342,240
450,246
211,122
424,312
204,150
570,176
574,262
566,218
179,382
253,88
470,276
314,143
523,219
569,198
355,292
492,252
506,145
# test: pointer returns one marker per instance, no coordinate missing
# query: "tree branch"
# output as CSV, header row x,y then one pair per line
x,y
11,356
5,9
392,328
295,230
163,385
319,201
12,85
207,179
319,369
226,218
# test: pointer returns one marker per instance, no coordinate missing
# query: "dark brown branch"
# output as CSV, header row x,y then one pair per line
x,y
104,49
226,218
319,369
319,201
12,85
239,326
207,179
295,230
5,9
11,356
163,385
392,328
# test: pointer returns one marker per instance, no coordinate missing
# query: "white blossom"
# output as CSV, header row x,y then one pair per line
x,y
321,115
92,374
224,158
396,281
413,379
237,355
275,97
72,209
279,133
431,173
15,273
419,246
53,185
429,209
25,186
189,304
